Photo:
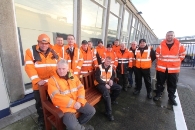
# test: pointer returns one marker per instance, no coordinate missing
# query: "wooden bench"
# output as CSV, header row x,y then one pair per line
x,y
53,116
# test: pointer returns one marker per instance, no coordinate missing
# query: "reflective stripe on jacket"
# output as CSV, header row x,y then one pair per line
x,y
170,59
143,60
65,93
124,61
76,63
89,61
39,70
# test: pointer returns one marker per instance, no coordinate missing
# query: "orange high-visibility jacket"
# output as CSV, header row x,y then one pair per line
x,y
100,50
115,48
64,93
41,69
170,59
143,61
76,63
133,54
59,50
124,61
112,54
89,61
105,77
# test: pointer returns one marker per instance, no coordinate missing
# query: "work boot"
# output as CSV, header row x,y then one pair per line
x,y
149,96
109,116
136,92
88,127
172,101
157,97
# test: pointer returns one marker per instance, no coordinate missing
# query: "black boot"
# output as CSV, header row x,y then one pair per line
x,y
109,116
157,97
172,101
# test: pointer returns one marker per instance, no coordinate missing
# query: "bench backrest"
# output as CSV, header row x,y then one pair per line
x,y
87,80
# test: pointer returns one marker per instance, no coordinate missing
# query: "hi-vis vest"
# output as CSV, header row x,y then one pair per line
x,y
104,76
143,61
170,59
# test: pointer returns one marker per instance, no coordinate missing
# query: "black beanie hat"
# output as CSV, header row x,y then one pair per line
x,y
142,40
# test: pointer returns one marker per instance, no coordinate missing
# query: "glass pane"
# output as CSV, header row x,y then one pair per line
x,y
91,23
100,1
143,29
132,35
115,7
125,22
42,16
112,28
134,22
137,36
139,26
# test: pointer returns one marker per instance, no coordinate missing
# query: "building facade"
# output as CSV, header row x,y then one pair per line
x,y
21,21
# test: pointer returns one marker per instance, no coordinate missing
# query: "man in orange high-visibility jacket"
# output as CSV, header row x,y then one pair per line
x,y
68,94
169,55
73,55
145,55
59,46
90,44
116,46
100,49
124,65
89,58
112,54
104,76
132,50
40,65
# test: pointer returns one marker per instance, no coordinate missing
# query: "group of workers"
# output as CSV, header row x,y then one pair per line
x,y
60,66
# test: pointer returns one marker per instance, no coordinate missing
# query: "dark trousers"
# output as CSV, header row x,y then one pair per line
x,y
123,80
171,79
130,77
72,123
107,96
145,73
38,105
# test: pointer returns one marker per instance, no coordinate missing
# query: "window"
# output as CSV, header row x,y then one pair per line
x,y
35,17
91,23
115,7
125,22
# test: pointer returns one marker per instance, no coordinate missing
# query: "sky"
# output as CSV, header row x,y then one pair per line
x,y
168,15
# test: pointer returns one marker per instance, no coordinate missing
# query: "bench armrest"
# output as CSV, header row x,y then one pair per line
x,y
53,110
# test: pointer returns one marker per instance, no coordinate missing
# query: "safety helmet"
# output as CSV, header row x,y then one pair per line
x,y
43,38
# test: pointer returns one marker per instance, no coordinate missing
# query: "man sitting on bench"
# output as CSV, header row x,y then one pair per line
x,y
68,94
104,76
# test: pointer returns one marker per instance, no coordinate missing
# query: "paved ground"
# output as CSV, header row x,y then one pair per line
x,y
132,112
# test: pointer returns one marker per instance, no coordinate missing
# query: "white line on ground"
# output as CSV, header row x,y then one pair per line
x,y
179,117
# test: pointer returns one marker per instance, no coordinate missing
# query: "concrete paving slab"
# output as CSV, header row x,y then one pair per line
x,y
13,118
26,123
